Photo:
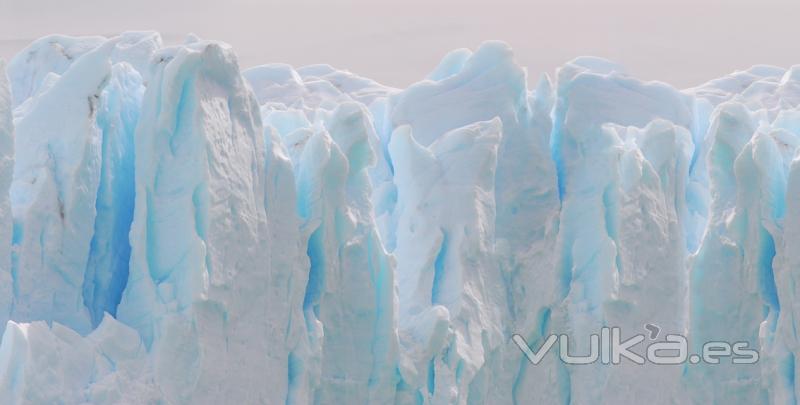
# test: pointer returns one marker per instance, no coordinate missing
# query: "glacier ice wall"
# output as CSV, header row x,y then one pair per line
x,y
174,229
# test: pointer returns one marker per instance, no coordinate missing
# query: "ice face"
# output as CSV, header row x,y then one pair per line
x,y
176,230
57,163
445,268
201,282
6,170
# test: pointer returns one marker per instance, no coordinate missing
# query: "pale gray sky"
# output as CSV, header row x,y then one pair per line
x,y
682,42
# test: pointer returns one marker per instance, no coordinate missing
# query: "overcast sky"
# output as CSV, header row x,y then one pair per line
x,y
681,42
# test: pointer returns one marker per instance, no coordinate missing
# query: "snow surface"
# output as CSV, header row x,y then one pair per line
x,y
176,230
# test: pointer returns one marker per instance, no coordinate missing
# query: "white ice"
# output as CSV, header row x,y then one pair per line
x,y
174,229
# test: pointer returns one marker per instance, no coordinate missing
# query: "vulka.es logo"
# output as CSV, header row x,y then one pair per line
x,y
607,347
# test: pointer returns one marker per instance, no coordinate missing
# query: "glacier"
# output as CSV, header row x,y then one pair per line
x,y
175,229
